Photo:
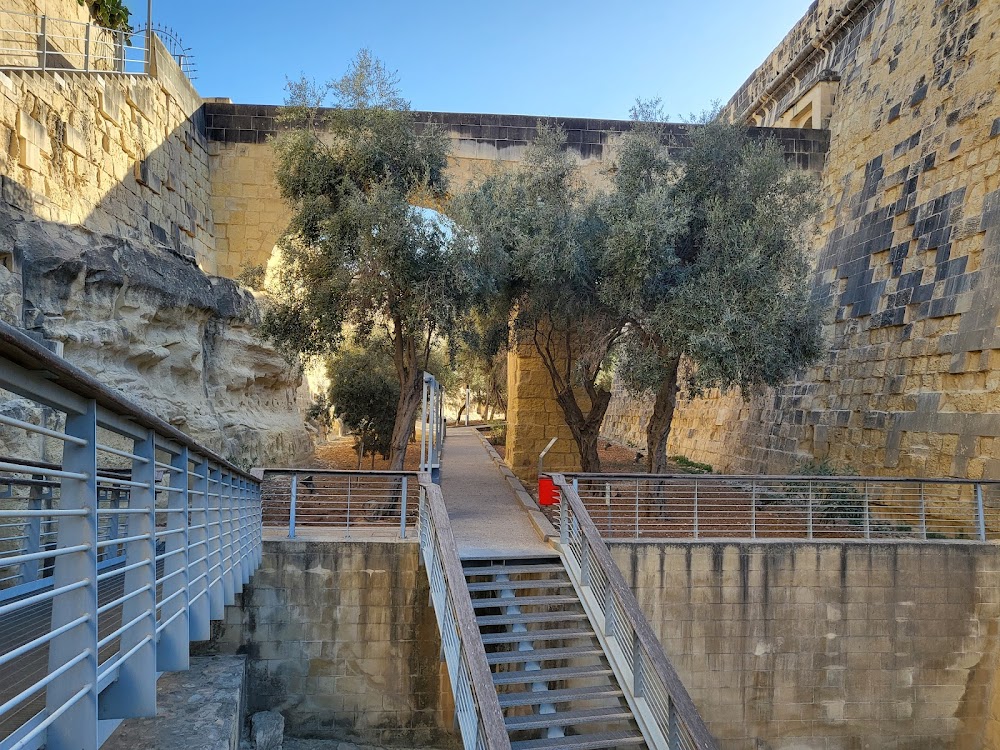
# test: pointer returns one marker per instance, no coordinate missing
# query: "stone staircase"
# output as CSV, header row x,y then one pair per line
x,y
554,683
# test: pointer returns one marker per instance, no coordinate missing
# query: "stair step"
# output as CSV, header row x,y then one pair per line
x,y
541,654
582,741
566,695
531,617
523,601
550,675
538,583
495,570
567,718
553,634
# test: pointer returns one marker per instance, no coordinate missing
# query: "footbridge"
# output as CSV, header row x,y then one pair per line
x,y
121,540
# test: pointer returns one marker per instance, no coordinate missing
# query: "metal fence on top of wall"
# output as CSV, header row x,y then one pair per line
x,y
120,540
711,506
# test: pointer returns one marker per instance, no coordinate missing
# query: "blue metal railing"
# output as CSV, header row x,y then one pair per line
x,y
120,540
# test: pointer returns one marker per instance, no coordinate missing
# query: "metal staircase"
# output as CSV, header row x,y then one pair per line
x,y
555,686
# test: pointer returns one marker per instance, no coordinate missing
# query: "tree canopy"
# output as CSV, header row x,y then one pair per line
x,y
357,253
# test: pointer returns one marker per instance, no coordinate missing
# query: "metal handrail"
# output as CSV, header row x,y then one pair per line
x,y
113,556
299,499
40,42
658,698
789,506
477,707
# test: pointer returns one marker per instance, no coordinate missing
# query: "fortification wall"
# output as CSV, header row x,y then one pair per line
x,y
117,154
828,646
907,263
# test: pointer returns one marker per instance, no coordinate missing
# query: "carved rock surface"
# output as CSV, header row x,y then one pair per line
x,y
150,323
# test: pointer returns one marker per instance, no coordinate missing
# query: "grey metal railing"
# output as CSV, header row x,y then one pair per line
x,y
313,499
659,701
477,707
41,42
712,506
121,540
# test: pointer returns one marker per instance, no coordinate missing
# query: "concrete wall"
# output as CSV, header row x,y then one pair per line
x,y
829,646
908,259
343,642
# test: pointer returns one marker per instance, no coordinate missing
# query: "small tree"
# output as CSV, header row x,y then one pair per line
x,y
716,273
542,239
364,392
356,251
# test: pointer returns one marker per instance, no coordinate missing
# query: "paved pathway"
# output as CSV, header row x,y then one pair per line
x,y
486,517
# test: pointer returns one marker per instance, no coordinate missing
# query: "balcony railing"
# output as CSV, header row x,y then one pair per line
x,y
121,539
40,42
712,506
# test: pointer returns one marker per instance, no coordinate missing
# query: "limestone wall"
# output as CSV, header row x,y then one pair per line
x,y
119,154
906,267
828,646
342,640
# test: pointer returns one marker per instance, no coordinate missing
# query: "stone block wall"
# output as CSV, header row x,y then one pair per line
x,y
342,640
828,646
907,262
118,154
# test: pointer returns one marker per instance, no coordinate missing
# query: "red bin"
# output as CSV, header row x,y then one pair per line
x,y
547,492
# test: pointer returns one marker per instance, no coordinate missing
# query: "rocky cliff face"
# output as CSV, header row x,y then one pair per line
x,y
150,323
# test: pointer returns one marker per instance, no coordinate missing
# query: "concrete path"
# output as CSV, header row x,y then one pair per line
x,y
486,517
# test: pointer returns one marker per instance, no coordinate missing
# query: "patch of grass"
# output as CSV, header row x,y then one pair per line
x,y
691,467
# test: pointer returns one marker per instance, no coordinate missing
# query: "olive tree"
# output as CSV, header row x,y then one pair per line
x,y
542,240
357,254
713,274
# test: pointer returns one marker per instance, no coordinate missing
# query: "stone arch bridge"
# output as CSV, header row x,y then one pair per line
x,y
249,216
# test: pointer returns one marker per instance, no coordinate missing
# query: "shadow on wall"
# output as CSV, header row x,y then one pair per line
x,y
109,264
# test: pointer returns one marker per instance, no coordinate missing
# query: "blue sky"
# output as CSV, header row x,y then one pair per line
x,y
546,57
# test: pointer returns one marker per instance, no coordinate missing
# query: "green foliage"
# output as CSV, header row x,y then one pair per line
x,y
111,14
252,275
498,432
356,251
691,467
540,243
834,501
320,410
364,391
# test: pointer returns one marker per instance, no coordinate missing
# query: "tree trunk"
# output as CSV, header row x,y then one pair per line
x,y
406,412
586,429
458,419
658,429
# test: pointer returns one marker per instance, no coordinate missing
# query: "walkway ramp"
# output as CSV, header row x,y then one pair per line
x,y
487,519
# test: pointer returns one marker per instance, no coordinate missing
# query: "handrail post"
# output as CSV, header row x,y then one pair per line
x,y
76,727
86,49
609,612
753,509
199,617
637,666
980,512
923,513
868,524
585,564
563,519
172,648
30,569
809,512
696,507
133,694
637,509
293,501
45,43
402,511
